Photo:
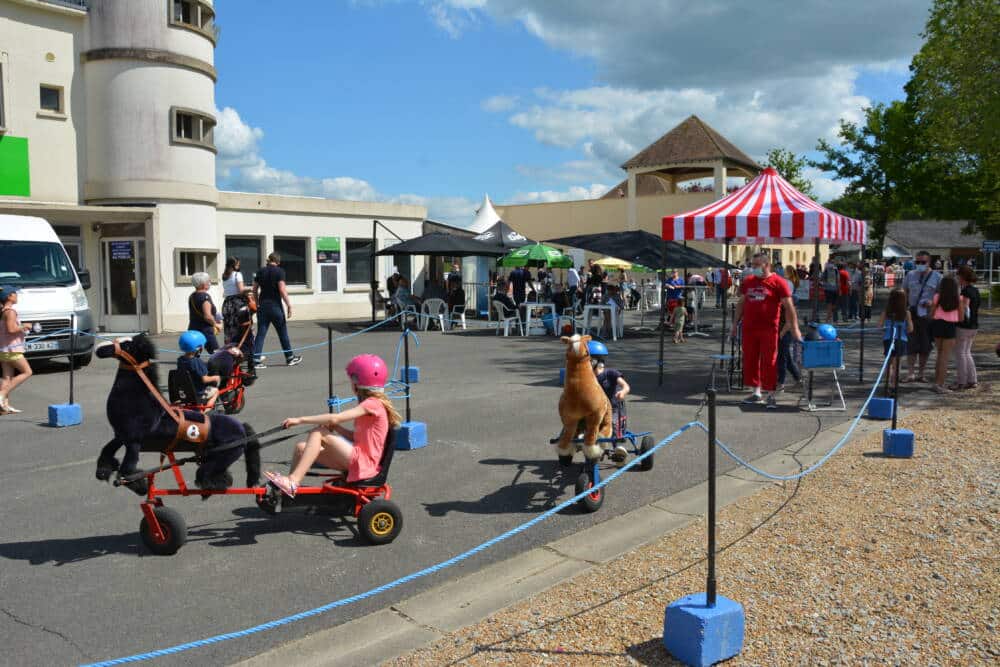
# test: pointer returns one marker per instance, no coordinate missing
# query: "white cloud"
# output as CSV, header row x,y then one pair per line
x,y
499,103
240,166
576,192
825,188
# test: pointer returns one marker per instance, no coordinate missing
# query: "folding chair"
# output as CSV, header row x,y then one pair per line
x,y
505,320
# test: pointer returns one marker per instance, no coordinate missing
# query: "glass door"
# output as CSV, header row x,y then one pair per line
x,y
125,303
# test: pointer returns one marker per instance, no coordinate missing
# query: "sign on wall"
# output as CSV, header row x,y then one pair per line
x,y
328,250
991,246
121,249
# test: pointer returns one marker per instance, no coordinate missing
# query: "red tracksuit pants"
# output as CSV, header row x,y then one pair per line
x,y
760,358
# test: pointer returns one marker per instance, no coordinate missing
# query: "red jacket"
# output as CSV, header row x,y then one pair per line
x,y
845,282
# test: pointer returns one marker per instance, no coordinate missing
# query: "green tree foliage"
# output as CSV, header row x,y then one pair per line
x,y
790,166
954,91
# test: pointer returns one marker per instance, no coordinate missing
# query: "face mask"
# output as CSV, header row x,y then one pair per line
x,y
756,272
922,267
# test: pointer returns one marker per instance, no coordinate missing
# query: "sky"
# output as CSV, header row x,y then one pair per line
x,y
438,102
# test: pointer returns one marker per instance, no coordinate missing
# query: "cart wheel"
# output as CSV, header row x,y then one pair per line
x,y
645,446
235,406
592,501
174,530
270,501
380,521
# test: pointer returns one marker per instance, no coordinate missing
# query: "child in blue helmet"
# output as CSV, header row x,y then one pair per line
x,y
616,389
191,344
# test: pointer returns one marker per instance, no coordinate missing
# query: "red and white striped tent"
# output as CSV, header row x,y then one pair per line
x,y
768,210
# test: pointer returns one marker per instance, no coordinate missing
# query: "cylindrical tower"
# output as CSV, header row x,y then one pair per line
x,y
150,82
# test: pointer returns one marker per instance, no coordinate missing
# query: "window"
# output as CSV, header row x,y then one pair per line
x,y
248,251
188,262
359,261
50,98
192,128
72,241
194,15
293,254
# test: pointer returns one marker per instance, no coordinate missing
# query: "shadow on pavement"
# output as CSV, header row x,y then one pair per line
x,y
517,497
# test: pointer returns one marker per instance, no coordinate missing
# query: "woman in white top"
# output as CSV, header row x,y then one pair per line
x,y
233,299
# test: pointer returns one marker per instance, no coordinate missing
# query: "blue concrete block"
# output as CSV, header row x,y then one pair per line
x,y
897,443
412,378
699,635
562,376
65,414
880,408
412,435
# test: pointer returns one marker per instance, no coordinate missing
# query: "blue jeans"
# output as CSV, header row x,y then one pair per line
x,y
844,301
786,358
853,304
271,313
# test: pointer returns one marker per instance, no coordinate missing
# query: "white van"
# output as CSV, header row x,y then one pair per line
x,y
52,294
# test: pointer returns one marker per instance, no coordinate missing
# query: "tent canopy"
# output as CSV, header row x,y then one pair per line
x,y
502,237
641,247
768,210
439,243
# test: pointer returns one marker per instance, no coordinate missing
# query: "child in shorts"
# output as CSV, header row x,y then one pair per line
x,y
679,319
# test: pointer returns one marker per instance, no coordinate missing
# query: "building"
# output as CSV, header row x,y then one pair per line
x,y
107,112
691,151
943,239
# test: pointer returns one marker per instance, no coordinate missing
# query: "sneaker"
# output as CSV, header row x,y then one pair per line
x,y
941,389
780,388
259,365
261,359
294,361
753,399
772,402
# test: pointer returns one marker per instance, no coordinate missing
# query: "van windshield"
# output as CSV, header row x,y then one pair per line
x,y
34,264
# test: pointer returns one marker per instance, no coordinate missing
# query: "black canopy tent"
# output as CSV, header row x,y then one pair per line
x,y
501,237
642,247
440,243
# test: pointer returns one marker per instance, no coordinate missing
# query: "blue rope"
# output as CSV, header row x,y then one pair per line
x,y
270,625
826,457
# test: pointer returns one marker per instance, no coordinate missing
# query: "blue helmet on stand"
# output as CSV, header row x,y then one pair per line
x,y
191,341
827,331
597,349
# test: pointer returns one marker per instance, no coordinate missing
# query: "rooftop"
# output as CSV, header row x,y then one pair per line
x,y
919,234
693,140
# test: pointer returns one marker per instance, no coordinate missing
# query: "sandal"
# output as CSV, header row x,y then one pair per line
x,y
10,409
285,485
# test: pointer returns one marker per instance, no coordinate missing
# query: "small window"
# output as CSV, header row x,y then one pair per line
x,y
293,254
359,261
195,15
189,262
50,99
192,127
248,251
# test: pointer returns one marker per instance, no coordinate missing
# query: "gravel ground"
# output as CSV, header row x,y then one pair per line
x,y
867,561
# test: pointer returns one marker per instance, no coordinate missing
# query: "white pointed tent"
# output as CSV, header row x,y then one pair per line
x,y
486,216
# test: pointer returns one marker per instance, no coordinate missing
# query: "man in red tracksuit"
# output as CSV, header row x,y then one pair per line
x,y
763,295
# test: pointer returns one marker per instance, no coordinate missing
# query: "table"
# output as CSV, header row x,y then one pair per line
x,y
590,309
529,307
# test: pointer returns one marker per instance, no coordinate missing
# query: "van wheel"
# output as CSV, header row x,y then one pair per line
x,y
81,360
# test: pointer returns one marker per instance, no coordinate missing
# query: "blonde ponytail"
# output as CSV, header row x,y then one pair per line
x,y
395,419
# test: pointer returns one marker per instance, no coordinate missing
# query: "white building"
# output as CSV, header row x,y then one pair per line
x,y
106,130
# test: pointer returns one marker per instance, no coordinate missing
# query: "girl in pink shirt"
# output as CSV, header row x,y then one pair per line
x,y
945,315
356,452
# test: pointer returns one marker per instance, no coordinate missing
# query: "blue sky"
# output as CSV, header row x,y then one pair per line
x,y
438,102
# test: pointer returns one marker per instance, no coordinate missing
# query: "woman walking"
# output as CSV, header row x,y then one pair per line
x,y
202,315
966,330
233,299
945,316
16,368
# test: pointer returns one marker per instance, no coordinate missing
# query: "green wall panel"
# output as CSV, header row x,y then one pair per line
x,y
14,174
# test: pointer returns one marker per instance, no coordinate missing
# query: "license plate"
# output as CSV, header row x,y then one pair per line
x,y
42,346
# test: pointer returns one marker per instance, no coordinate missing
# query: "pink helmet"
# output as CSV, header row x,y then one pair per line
x,y
368,371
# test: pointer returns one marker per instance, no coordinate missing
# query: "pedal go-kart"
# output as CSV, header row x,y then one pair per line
x,y
614,451
164,531
231,397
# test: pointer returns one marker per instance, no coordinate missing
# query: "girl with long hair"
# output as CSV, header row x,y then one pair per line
x,y
945,316
897,324
966,331
357,452
233,299
13,363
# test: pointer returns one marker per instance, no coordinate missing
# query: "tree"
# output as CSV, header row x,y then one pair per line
x,y
953,93
790,166
877,160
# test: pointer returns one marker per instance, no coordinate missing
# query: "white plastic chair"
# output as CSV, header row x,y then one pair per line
x,y
433,309
505,320
457,314
407,310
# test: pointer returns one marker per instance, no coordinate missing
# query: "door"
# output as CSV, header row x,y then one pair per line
x,y
125,305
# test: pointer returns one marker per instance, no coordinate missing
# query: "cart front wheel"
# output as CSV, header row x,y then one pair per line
x,y
645,446
380,521
593,500
173,529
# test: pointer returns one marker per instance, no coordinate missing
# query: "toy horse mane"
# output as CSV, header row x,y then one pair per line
x,y
141,349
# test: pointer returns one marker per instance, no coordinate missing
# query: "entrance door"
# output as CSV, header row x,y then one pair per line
x,y
125,304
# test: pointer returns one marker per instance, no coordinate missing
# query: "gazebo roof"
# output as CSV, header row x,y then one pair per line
x,y
693,140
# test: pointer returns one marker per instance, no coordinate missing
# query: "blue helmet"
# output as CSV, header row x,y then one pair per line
x,y
191,341
827,332
597,349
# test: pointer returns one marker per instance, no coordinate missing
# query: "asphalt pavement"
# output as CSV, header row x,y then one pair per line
x,y
76,584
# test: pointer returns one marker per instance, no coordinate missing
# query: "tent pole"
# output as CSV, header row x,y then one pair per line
x,y
816,283
374,282
725,293
663,310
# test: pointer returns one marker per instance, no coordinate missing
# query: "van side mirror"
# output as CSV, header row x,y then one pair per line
x,y
84,276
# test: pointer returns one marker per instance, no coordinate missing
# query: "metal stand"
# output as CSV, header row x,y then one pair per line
x,y
710,584
895,392
72,357
835,394
663,312
725,295
406,366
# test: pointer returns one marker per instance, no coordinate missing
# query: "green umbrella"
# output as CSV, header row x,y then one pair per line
x,y
537,255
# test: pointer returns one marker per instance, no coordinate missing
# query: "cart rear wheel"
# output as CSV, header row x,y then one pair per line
x,y
174,530
380,521
593,500
645,446
236,404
